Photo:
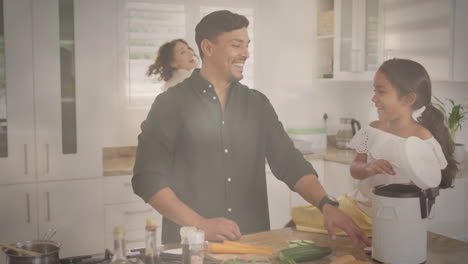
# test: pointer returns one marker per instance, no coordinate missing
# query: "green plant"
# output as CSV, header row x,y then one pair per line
x,y
455,114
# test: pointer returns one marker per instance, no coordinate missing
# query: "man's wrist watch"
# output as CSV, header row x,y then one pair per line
x,y
328,199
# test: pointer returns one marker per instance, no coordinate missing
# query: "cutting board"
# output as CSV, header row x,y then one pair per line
x,y
278,240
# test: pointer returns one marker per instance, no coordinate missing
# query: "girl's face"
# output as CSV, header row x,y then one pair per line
x,y
183,57
390,105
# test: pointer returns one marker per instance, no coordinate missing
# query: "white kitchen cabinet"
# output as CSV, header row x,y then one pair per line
x,y
421,31
54,105
18,165
278,201
450,211
75,210
338,179
38,109
354,49
123,207
460,42
18,207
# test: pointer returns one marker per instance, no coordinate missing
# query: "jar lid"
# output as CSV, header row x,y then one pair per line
x,y
422,164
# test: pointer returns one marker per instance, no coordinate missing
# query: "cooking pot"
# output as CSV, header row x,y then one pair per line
x,y
48,248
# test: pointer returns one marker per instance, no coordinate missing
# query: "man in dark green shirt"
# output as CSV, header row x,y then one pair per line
x,y
201,153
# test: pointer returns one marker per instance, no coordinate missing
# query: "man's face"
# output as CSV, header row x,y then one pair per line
x,y
230,51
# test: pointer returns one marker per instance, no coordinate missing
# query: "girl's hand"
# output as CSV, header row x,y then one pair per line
x,y
379,167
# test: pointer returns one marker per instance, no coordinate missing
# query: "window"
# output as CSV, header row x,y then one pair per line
x,y
147,24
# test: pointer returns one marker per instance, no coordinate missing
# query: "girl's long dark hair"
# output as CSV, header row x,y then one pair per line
x,y
410,77
162,65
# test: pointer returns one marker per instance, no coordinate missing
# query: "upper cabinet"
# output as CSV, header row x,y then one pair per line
x,y
350,38
460,56
421,31
17,159
356,36
53,80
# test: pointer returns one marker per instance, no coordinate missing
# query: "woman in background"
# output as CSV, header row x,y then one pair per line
x,y
174,63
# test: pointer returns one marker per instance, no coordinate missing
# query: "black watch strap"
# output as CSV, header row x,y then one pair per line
x,y
327,199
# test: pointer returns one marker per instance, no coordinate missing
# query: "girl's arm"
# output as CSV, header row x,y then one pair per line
x,y
361,169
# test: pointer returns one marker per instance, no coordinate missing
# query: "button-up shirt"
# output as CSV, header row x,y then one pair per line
x,y
214,160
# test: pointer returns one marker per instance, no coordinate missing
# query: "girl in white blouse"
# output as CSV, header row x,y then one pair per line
x,y
174,63
402,96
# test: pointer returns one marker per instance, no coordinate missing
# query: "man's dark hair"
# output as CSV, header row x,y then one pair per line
x,y
215,23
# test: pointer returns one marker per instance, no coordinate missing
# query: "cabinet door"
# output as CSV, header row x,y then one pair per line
x,y
358,38
132,216
460,55
75,209
338,179
17,130
278,201
449,216
18,212
68,142
421,31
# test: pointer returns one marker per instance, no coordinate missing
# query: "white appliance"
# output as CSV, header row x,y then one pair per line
x,y
307,141
401,211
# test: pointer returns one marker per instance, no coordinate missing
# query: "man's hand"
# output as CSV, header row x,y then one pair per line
x,y
333,218
219,229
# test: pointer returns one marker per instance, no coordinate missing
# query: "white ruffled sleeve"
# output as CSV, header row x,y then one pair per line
x,y
360,141
437,149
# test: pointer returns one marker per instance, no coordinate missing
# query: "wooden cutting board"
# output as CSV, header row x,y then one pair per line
x,y
278,240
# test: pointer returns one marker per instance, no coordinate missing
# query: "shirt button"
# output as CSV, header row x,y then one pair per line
x,y
226,150
204,91
222,122
214,97
210,85
229,179
229,210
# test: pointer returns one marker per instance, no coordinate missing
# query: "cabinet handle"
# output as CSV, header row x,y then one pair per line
x,y
48,206
25,149
28,209
135,240
47,158
138,212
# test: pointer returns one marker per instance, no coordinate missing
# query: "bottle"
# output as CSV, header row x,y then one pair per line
x,y
151,253
119,247
197,247
185,232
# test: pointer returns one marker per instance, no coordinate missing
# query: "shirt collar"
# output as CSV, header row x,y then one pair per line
x,y
202,85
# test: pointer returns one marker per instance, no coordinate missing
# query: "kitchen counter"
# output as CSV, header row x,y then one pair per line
x,y
441,249
120,160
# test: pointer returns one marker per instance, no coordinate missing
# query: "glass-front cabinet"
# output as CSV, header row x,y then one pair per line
x,y
17,144
49,118
349,38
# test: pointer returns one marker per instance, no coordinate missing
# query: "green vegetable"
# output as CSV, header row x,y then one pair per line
x,y
287,260
304,253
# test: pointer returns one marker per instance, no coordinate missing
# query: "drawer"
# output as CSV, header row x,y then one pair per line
x,y
118,189
132,216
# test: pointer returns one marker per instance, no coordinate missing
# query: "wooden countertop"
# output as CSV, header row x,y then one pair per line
x,y
440,250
